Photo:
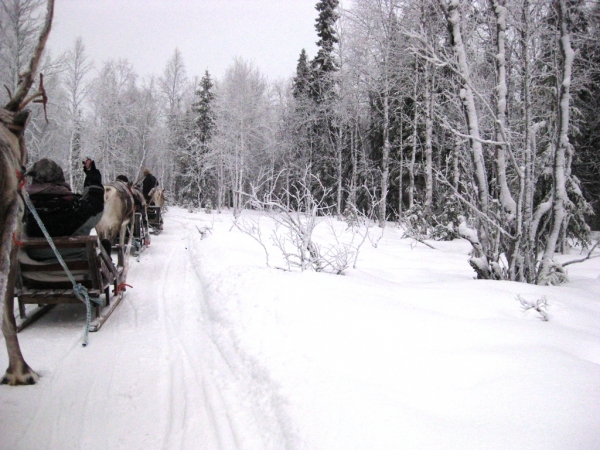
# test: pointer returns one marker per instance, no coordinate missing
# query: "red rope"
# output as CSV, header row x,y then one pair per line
x,y
121,288
21,178
17,242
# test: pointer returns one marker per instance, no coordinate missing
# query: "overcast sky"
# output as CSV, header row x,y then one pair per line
x,y
209,33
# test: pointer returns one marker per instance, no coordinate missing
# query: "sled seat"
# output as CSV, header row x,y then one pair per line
x,y
42,281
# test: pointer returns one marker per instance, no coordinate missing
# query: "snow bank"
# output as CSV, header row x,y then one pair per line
x,y
212,349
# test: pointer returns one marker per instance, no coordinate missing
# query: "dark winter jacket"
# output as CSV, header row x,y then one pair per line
x,y
62,211
148,184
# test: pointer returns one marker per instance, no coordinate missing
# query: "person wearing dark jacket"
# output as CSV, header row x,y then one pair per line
x,y
63,212
149,183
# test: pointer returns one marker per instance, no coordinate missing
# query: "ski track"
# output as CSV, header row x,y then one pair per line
x,y
164,325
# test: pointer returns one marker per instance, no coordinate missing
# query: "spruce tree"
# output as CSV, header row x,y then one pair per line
x,y
324,65
194,178
323,134
203,107
302,79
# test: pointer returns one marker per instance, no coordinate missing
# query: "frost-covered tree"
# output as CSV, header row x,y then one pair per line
x,y
375,39
112,139
20,23
242,130
174,86
301,81
198,174
77,66
586,104
324,130
524,198
324,65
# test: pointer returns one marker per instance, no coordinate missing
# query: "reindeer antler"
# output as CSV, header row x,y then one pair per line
x,y
9,93
35,98
17,102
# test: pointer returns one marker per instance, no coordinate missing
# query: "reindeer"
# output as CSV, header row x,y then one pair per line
x,y
117,215
13,157
155,206
157,197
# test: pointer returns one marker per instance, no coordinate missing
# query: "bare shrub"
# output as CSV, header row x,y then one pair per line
x,y
540,305
295,220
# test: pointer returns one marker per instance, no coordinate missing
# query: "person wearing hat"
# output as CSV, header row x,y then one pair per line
x,y
63,212
149,183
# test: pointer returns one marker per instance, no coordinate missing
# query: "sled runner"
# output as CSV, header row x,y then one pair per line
x,y
44,283
155,219
141,235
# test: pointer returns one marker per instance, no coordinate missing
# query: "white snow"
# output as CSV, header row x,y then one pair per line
x,y
213,350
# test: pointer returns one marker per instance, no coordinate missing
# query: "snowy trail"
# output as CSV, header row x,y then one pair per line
x,y
147,379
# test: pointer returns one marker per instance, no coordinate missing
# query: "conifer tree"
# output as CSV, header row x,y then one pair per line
x,y
324,133
196,176
324,65
203,107
302,79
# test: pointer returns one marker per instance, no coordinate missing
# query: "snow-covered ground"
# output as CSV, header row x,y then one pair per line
x,y
211,349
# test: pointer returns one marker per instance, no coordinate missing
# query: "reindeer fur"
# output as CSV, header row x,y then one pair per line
x,y
117,215
157,197
13,157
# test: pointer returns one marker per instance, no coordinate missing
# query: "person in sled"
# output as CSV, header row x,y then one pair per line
x,y
149,183
63,212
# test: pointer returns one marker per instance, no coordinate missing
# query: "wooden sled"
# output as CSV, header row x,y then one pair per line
x,y
45,283
155,219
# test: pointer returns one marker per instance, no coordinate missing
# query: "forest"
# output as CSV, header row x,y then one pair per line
x,y
455,119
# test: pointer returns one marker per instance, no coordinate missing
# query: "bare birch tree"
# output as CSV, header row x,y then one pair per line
x,y
77,66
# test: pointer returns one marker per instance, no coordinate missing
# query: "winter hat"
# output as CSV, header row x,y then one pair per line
x,y
123,178
46,171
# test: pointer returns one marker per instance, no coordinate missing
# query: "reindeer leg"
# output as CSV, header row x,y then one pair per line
x,y
122,244
18,372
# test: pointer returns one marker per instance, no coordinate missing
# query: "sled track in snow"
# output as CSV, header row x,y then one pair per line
x,y
191,388
164,372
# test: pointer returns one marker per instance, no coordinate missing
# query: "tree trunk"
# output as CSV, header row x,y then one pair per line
x,y
414,137
559,192
385,160
506,199
468,100
428,138
527,233
354,156
340,184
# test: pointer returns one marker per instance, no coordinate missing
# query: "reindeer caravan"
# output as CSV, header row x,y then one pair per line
x,y
132,211
116,209
47,255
